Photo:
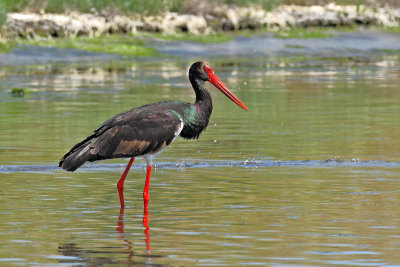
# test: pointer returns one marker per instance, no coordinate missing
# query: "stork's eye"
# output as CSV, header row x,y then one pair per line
x,y
209,70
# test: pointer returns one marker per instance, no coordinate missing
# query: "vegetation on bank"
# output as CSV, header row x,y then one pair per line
x,y
3,13
127,45
197,38
304,33
149,6
134,45
116,44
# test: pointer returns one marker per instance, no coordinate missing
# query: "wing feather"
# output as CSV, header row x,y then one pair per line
x,y
135,134
139,131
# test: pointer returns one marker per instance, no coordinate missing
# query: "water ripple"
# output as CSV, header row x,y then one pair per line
x,y
248,163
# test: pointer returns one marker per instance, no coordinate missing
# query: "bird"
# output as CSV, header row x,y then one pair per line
x,y
147,130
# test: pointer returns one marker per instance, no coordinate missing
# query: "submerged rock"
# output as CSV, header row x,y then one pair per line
x,y
20,92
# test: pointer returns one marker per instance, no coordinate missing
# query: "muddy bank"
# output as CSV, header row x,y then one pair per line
x,y
201,21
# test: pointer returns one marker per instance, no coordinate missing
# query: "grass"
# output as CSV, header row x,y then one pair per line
x,y
6,47
389,51
201,38
119,6
3,13
116,44
324,2
304,33
150,6
395,29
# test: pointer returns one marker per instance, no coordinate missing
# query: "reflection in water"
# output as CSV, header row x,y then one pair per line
x,y
146,219
73,253
120,230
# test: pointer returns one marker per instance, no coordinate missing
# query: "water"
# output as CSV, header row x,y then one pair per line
x,y
360,43
309,176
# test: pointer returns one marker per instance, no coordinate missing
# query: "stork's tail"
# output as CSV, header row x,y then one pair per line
x,y
77,156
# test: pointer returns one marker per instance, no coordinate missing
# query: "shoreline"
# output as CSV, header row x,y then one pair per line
x,y
361,44
222,19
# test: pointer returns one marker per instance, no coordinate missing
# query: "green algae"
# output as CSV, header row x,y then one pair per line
x,y
303,33
115,44
8,46
198,38
126,45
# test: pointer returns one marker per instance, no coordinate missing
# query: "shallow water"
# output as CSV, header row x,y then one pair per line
x,y
309,176
353,43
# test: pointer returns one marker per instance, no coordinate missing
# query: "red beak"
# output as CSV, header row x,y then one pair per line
x,y
222,87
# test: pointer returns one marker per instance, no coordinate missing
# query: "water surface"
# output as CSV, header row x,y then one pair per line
x,y
309,176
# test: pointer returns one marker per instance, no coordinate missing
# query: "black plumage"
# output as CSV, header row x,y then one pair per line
x,y
139,131
147,130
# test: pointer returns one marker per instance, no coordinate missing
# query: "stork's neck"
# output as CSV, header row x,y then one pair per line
x,y
198,114
203,105
203,97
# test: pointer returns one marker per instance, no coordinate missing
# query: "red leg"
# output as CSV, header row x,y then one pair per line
x,y
120,227
146,196
146,219
120,184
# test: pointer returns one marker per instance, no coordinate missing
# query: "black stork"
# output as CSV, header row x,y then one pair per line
x,y
147,130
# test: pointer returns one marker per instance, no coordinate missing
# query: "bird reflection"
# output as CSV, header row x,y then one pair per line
x,y
120,230
146,219
90,256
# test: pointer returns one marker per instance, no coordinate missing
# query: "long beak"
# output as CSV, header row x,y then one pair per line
x,y
222,87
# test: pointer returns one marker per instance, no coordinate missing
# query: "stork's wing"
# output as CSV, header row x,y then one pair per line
x,y
135,133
